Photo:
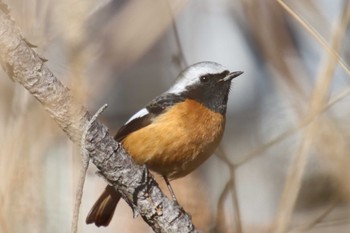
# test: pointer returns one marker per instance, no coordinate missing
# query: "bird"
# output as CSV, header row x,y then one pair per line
x,y
176,131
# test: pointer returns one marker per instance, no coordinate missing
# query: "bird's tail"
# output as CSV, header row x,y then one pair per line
x,y
102,211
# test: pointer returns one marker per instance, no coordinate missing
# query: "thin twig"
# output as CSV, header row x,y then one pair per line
x,y
83,170
177,38
232,184
318,99
333,222
316,35
317,219
235,202
220,212
291,130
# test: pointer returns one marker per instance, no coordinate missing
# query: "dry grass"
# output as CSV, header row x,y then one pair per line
x,y
94,46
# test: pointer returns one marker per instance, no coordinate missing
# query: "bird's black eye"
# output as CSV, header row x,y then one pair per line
x,y
204,78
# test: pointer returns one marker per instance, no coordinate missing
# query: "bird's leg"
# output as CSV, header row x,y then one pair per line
x,y
170,190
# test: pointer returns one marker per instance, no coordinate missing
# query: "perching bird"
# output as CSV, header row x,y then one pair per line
x,y
176,132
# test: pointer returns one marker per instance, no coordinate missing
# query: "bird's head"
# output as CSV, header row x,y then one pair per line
x,y
206,82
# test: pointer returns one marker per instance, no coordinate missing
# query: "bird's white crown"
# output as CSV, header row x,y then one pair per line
x,y
191,74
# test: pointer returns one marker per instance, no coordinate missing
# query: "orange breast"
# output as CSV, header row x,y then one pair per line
x,y
178,141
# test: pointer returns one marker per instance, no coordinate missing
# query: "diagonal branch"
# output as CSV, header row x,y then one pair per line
x,y
134,182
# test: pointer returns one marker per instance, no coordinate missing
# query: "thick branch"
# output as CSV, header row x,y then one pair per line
x,y
134,182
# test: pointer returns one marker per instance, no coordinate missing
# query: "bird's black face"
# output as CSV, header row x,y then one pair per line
x,y
212,90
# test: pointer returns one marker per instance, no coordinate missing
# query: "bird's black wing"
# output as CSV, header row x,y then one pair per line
x,y
133,125
152,110
163,102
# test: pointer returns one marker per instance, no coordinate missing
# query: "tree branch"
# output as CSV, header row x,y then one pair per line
x,y
134,182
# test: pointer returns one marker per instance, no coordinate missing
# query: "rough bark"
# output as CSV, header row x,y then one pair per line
x,y
134,182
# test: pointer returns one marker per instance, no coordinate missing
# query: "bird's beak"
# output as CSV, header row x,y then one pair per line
x,y
231,76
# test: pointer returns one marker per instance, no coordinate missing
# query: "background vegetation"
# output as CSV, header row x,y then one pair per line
x,y
283,165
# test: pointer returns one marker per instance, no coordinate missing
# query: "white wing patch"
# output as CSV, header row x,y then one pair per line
x,y
139,114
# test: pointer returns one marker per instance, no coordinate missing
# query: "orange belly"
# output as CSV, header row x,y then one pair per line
x,y
177,141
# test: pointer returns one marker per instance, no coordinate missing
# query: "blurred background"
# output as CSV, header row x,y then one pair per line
x,y
283,165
